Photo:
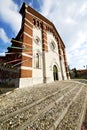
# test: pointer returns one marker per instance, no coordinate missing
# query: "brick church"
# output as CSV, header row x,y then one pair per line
x,y
37,54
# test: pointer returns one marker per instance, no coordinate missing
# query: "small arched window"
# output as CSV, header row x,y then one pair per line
x,y
38,23
34,21
37,60
41,25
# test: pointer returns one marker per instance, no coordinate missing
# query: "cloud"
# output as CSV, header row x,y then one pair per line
x,y
31,3
3,36
9,14
81,38
70,19
4,42
68,16
83,9
48,6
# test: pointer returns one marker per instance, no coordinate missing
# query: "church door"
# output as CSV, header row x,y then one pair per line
x,y
55,72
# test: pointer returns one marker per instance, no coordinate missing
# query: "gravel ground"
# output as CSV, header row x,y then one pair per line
x,y
82,80
44,107
70,121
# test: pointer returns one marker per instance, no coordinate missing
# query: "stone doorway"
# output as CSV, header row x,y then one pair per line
x,y
55,72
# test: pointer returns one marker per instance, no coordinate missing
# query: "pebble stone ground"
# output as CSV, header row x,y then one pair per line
x,y
55,106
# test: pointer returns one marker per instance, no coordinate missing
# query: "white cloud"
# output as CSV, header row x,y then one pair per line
x,y
83,9
81,37
70,19
9,14
48,6
3,35
31,3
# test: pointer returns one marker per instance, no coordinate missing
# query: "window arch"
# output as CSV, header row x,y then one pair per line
x,y
37,23
34,21
37,60
55,72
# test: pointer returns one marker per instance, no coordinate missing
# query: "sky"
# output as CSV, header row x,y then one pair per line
x,y
68,16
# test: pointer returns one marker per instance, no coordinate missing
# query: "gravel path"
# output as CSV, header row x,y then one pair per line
x,y
52,106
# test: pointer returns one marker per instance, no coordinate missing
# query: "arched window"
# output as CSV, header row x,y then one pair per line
x,y
38,23
37,60
55,72
34,21
41,25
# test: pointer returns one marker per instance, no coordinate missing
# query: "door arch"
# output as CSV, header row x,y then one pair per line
x,y
55,72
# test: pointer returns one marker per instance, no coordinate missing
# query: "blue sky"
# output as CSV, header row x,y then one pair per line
x,y
68,16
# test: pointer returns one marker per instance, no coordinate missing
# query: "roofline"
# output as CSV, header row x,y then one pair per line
x,y
40,16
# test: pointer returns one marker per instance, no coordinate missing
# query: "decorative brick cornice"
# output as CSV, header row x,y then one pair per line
x,y
38,19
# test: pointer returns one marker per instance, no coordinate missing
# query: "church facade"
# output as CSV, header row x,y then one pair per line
x,y
40,52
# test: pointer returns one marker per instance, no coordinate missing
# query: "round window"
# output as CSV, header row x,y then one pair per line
x,y
23,46
52,45
37,40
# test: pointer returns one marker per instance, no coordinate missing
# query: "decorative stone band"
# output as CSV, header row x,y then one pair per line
x,y
26,68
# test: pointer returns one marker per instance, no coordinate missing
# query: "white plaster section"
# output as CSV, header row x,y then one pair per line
x,y
52,58
25,82
37,48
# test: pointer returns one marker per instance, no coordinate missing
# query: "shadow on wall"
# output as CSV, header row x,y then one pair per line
x,y
10,67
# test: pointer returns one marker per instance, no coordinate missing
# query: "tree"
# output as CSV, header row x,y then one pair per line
x,y
75,72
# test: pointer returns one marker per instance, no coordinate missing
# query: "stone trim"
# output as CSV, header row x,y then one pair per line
x,y
27,35
26,55
26,68
28,21
28,26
